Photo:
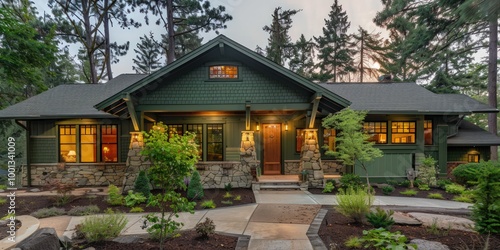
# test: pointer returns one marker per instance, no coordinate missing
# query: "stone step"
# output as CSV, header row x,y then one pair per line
x,y
279,187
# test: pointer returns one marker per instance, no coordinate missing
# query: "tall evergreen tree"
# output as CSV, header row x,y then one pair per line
x,y
302,61
184,43
335,57
370,48
148,55
280,48
179,17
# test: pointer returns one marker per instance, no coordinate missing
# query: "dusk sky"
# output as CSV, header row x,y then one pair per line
x,y
248,19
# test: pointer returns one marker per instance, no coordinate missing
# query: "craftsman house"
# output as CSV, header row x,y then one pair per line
x,y
250,116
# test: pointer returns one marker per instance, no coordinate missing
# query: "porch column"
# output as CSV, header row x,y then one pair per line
x,y
248,156
310,158
135,162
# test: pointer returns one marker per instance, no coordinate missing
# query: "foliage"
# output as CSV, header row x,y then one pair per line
x,y
354,203
329,187
427,172
3,201
424,187
237,198
115,198
302,60
195,189
228,187
210,204
206,228
371,49
350,181
84,210
405,183
467,196
136,210
353,242
280,48
227,202
454,188
380,238
466,174
132,199
48,212
172,159
435,230
409,192
353,146
3,187
441,183
141,184
148,53
63,190
437,196
380,218
101,227
227,195
387,190
486,209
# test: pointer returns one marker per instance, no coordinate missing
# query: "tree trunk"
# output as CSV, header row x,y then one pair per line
x,y
170,31
362,70
107,52
492,81
89,41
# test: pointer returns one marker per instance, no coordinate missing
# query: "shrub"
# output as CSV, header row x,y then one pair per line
x,y
466,173
208,204
141,184
227,195
424,187
354,203
48,212
329,187
437,196
427,172
3,187
133,199
136,210
115,198
228,187
195,189
102,227
380,218
227,202
405,183
206,228
380,238
350,181
409,192
486,209
84,210
387,190
353,242
454,188
3,201
441,183
237,198
63,190
466,197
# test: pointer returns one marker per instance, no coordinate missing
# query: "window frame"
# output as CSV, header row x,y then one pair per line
x,y
426,124
218,142
102,143
375,133
237,67
60,143
395,132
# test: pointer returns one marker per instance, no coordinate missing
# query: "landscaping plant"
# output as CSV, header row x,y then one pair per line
x,y
486,209
227,195
141,184
115,198
437,196
380,218
467,174
467,197
354,203
63,190
409,192
380,238
329,187
228,187
102,227
195,189
350,181
387,190
172,158
427,172
237,198
210,204
424,187
454,188
48,212
441,183
206,228
136,210
84,210
132,199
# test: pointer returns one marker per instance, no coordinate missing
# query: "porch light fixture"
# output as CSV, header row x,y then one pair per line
x,y
257,127
286,126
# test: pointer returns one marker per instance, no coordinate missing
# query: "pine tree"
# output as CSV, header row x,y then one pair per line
x,y
335,57
280,47
302,61
147,57
184,43
195,189
370,48
141,184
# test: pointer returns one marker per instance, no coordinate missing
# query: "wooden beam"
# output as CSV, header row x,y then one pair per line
x,y
315,100
149,118
247,115
131,111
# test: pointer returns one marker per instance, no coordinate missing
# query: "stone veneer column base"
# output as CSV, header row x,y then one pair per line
x,y
310,159
248,156
135,164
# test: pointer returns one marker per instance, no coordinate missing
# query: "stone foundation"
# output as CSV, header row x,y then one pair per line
x,y
333,167
219,174
310,159
135,163
83,174
292,167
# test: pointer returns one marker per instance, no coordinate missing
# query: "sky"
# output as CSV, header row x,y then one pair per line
x,y
249,16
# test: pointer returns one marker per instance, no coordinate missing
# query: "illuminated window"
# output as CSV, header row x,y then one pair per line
x,y
67,143
109,143
223,72
197,129
473,157
174,129
214,142
428,132
377,131
88,142
403,132
329,138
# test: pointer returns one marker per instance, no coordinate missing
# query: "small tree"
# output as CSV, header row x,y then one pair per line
x,y
486,210
141,184
353,145
427,172
172,158
195,189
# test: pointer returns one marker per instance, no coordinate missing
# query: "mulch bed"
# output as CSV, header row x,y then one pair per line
x,y
397,192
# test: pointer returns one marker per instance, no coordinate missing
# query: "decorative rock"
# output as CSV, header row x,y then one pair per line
x,y
34,190
42,239
318,175
444,221
127,239
403,219
428,245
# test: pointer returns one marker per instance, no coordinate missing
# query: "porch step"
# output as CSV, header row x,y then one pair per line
x,y
279,185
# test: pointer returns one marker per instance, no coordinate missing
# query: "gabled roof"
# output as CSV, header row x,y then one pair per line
x,y
404,98
470,134
69,100
219,43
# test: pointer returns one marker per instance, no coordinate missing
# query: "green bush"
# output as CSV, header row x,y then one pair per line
x,y
409,192
3,187
380,218
227,195
208,204
387,190
227,202
228,187
84,210
405,183
237,198
454,188
136,210
353,242
102,227
195,189
437,196
466,174
115,198
427,172
424,187
141,184
380,238
48,212
443,182
486,209
350,181
464,197
206,228
354,203
132,199
329,187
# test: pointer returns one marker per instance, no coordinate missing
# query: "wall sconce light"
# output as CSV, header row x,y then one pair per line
x,y
286,126
257,127
136,137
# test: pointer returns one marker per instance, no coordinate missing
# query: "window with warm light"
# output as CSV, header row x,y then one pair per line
x,y
197,129
109,143
473,157
403,132
329,138
88,142
67,143
214,142
175,129
428,132
377,131
223,72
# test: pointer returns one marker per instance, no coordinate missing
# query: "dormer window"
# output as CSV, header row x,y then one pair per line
x,y
223,72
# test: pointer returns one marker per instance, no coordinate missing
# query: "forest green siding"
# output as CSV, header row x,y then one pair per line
x,y
460,153
194,88
43,150
390,165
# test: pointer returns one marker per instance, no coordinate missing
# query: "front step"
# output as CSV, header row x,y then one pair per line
x,y
279,185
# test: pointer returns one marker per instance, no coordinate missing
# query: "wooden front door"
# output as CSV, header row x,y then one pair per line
x,y
272,148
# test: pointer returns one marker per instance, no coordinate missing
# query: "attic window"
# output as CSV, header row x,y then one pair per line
x,y
223,72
